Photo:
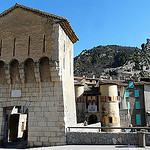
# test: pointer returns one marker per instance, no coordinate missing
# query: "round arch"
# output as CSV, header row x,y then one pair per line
x,y
2,73
14,71
29,70
44,69
92,119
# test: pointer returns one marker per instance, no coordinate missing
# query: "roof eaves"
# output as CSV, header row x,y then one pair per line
x,y
68,30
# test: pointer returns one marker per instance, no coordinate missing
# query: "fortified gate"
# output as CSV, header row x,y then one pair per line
x,y
36,76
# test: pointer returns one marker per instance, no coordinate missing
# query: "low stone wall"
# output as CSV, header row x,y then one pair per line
x,y
79,138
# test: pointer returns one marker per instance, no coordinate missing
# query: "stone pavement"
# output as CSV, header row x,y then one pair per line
x,y
87,147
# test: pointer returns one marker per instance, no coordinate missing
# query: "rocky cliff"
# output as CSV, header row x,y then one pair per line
x,y
113,60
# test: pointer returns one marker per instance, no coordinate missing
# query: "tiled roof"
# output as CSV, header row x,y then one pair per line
x,y
64,23
113,82
92,91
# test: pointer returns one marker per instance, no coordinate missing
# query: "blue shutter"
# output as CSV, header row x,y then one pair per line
x,y
130,119
136,93
138,119
127,93
137,105
128,105
130,84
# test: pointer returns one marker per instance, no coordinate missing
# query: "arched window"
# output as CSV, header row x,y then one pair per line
x,y
29,71
14,71
44,69
2,73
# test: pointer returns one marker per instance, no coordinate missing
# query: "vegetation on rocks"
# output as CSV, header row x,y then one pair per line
x,y
98,59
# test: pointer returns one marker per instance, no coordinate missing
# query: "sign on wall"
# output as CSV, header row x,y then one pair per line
x,y
16,93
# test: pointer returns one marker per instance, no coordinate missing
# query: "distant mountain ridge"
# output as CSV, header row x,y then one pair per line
x,y
112,60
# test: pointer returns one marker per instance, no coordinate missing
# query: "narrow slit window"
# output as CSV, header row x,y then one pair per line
x,y
70,61
1,48
29,46
44,44
14,47
22,128
64,47
64,62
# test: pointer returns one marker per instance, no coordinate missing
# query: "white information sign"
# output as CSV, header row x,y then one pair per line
x,y
16,93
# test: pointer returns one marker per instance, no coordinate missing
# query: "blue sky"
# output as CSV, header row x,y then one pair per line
x,y
98,22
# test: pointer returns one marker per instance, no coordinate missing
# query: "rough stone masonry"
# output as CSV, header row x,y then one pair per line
x,y
36,74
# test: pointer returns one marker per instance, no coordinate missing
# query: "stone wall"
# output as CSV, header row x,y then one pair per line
x,y
66,71
45,106
88,138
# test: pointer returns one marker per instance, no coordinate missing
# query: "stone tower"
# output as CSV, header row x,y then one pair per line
x,y
36,76
109,106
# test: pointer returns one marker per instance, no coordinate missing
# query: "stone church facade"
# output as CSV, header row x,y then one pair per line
x,y
36,76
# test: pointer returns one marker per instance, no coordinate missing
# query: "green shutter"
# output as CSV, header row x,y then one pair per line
x,y
130,84
136,93
137,105
138,119
128,104
127,93
130,119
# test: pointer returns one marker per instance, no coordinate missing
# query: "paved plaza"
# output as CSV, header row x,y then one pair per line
x,y
87,147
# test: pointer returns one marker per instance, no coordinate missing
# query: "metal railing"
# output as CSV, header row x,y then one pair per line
x,y
133,129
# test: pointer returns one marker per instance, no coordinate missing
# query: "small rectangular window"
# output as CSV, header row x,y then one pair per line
x,y
137,105
110,120
127,93
118,93
130,84
109,98
22,128
128,104
138,119
136,93
119,105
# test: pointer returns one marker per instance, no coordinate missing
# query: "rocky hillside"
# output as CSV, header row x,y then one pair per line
x,y
112,60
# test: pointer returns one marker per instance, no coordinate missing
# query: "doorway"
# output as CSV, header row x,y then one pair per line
x,y
16,124
92,119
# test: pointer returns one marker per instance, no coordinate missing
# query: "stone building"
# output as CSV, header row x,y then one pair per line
x,y
87,99
135,100
36,76
109,106
132,97
98,102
